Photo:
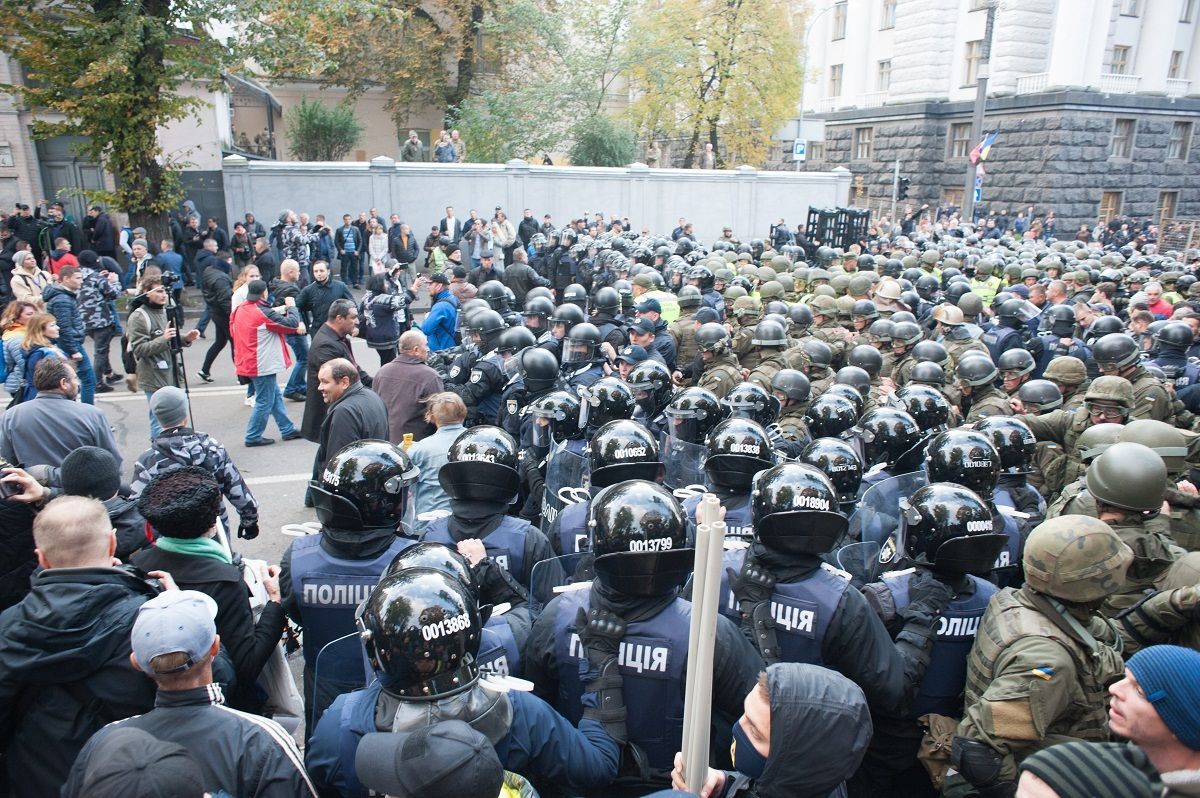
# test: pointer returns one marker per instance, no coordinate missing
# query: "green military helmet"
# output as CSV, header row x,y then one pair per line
x,y
1082,254
764,273
723,275
909,262
728,256
825,290
1129,476
845,306
1012,272
1075,558
771,289
835,269
823,305
1066,370
1095,440
839,283
748,271
985,268
971,304
788,283
930,257
951,263
816,275
1194,289
801,274
732,293
1167,441
1031,272
746,307
1169,278
1116,390
860,284
780,263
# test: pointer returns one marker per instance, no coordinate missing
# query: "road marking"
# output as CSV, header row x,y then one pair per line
x,y
275,480
196,393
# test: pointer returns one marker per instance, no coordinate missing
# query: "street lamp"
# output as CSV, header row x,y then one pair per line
x,y
804,77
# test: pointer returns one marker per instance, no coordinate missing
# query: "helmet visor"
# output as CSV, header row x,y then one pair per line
x,y
576,350
542,431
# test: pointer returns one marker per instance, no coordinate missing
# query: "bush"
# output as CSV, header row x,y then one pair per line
x,y
603,141
321,133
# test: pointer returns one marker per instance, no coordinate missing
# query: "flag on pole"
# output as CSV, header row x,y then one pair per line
x,y
980,153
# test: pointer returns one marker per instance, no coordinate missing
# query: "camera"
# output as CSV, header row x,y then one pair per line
x,y
8,489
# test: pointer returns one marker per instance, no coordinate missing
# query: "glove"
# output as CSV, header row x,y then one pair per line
x,y
600,632
927,594
248,531
752,587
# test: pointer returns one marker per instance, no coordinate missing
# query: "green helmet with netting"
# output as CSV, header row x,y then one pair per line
x,y
1075,558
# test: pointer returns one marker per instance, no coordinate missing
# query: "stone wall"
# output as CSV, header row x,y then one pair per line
x,y
1052,153
747,199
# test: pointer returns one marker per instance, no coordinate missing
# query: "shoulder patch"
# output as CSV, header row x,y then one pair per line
x,y
1044,672
476,375
512,407
455,371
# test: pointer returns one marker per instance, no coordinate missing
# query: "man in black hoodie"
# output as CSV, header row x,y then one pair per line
x,y
217,287
64,650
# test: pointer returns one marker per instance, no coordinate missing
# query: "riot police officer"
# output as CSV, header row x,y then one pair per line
x,y
1174,340
1061,340
639,538
551,420
1006,334
479,377
737,449
422,630
947,531
841,462
360,501
650,382
1017,448
565,317
481,478
892,444
605,316
927,406
582,359
795,608
537,376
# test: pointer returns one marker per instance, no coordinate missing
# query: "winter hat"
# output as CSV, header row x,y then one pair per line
x,y
1088,770
90,471
1170,678
89,258
169,406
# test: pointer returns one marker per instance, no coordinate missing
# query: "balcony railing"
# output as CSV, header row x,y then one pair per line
x,y
1111,83
827,104
872,99
1032,84
1177,87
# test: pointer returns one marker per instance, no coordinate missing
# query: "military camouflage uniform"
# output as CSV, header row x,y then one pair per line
x,y
987,401
720,375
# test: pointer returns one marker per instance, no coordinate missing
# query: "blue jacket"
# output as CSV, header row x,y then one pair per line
x,y
65,307
439,326
540,744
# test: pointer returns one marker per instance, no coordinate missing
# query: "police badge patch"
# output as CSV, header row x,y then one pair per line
x,y
476,375
512,407
455,371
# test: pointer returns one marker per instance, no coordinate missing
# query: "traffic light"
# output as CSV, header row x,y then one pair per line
x,y
902,188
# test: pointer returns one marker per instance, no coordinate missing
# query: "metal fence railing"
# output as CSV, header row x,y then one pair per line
x,y
1179,234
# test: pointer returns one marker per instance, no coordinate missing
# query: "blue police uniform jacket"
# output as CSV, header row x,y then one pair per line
x,y
329,589
1051,350
998,340
572,528
802,610
738,522
505,544
1178,369
582,377
653,663
1008,562
499,653
942,686
489,406
1002,497
539,743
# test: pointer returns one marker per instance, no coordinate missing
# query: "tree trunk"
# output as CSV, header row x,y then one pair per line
x,y
466,64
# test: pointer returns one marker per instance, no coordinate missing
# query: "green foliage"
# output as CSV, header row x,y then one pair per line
x,y
603,141
109,71
322,133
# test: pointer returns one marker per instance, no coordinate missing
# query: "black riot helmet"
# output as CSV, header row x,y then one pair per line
x,y
801,316
856,378
830,415
1062,320
904,335
712,337
650,382
867,358
639,536
607,300
1175,335
949,528
494,294
964,457
539,308
481,466
607,399
514,339
581,344
1040,396
928,406
1101,327
839,461
692,413
976,370
701,277
364,486
438,556
560,412
1014,442
795,510
820,356
930,374
793,384
1115,351
1016,363
484,327
928,287
422,628
622,450
567,315
889,436
737,450
930,352
576,294
540,368
751,401
849,392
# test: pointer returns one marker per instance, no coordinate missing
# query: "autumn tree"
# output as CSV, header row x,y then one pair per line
x,y
323,133
110,71
550,67
719,71
419,53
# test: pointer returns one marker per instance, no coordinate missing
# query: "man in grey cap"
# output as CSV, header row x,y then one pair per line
x,y
447,758
174,642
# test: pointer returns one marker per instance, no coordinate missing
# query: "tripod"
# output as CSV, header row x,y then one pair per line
x,y
178,370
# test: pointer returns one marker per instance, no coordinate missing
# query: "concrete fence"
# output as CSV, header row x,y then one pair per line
x,y
746,199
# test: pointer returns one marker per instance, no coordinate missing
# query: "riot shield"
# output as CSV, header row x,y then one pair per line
x,y
565,474
341,667
875,543
558,572
683,462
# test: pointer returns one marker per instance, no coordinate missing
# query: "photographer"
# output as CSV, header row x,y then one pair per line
x,y
152,337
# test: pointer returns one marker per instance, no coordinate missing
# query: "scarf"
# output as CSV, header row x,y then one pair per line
x,y
195,547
